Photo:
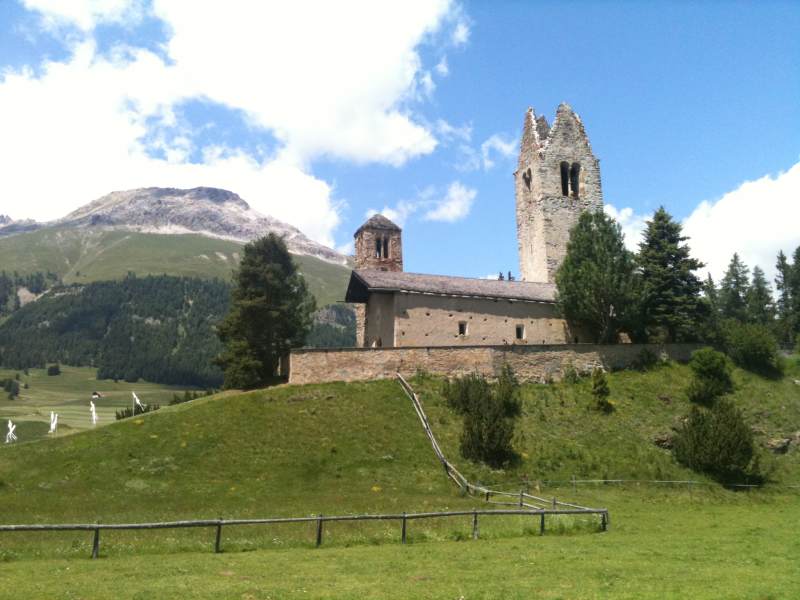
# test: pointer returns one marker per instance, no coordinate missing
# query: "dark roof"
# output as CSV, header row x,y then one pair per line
x,y
377,221
364,281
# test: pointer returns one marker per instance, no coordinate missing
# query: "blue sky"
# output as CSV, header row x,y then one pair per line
x,y
415,111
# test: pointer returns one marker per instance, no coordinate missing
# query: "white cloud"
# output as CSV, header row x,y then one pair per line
x,y
399,214
341,84
454,206
497,143
633,225
461,33
442,68
757,219
85,14
450,132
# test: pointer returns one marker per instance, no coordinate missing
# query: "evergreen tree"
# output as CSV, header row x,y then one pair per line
x,y
670,289
733,291
760,307
783,283
271,312
597,282
794,291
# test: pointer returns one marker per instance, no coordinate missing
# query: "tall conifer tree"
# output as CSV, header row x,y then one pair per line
x,y
597,282
760,306
271,312
670,289
783,283
733,290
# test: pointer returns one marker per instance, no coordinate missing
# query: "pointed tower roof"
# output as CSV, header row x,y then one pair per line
x,y
377,221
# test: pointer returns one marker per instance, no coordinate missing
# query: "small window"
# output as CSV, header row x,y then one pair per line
x,y
377,247
462,328
565,178
575,179
385,247
520,332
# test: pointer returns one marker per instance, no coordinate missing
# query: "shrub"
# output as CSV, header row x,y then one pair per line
x,y
570,374
717,442
489,413
647,359
601,391
53,370
752,347
711,376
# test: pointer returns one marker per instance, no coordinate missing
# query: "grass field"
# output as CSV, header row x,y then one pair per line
x,y
68,394
352,448
82,256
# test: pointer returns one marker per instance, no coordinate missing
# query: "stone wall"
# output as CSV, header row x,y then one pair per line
x,y
538,363
366,245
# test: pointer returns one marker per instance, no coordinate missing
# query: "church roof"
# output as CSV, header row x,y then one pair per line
x,y
377,221
364,281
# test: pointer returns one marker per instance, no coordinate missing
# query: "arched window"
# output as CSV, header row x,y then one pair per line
x,y
575,179
385,247
377,247
565,178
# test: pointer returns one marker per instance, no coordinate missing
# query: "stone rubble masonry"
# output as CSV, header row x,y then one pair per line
x,y
544,214
536,363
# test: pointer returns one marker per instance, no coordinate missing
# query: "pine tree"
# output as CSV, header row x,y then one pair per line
x,y
597,282
271,312
760,307
733,291
670,289
794,292
783,283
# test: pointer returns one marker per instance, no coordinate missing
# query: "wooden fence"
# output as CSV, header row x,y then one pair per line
x,y
403,518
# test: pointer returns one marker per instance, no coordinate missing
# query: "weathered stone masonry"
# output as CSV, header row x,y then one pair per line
x,y
539,363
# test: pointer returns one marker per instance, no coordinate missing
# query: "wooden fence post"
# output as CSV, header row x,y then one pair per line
x,y
218,539
521,494
403,532
574,485
541,525
475,525
96,543
554,503
319,530
603,522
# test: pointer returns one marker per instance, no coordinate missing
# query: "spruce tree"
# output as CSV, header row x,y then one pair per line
x,y
783,283
670,289
733,291
760,307
271,312
597,282
794,284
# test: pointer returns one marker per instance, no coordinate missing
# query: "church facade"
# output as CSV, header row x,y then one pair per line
x,y
557,178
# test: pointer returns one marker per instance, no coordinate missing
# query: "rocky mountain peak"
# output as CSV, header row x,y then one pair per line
x,y
212,212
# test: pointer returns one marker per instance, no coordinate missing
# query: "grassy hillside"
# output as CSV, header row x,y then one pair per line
x,y
354,447
84,255
68,394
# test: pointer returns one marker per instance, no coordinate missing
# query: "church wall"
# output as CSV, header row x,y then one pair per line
x,y
534,363
428,320
379,321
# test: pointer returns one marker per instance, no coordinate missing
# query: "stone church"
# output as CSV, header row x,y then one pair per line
x,y
557,178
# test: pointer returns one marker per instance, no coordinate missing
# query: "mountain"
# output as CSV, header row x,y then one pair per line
x,y
210,212
152,231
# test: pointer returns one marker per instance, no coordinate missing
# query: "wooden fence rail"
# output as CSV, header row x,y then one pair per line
x,y
218,524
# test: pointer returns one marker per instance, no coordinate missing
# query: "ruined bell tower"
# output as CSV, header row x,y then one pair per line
x,y
557,178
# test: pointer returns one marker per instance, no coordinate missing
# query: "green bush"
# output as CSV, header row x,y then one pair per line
x,y
570,374
646,360
53,370
132,412
489,416
719,443
752,347
711,376
601,391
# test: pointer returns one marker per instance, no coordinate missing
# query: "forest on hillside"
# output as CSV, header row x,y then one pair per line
x,y
157,328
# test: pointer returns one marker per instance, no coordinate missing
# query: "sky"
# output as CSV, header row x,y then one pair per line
x,y
321,113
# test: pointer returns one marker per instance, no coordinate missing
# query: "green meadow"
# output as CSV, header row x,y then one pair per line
x,y
358,448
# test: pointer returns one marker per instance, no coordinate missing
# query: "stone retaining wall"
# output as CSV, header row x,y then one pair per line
x,y
531,363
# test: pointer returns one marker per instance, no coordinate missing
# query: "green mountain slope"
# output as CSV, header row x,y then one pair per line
x,y
85,255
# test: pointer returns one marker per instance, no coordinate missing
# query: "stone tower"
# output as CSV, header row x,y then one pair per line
x,y
557,178
379,245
